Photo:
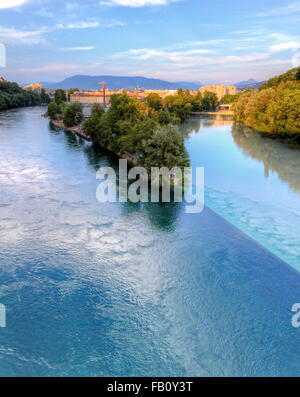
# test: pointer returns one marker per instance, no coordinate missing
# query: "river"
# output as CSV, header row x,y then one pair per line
x,y
126,289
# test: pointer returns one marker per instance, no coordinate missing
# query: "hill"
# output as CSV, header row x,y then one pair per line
x,y
118,83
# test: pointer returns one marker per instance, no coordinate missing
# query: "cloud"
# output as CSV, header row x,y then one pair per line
x,y
78,25
285,10
148,53
78,48
16,37
137,3
43,12
13,36
289,45
11,3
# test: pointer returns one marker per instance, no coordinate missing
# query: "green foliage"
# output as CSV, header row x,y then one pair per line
x,y
56,111
165,148
139,128
53,110
60,96
164,117
209,102
229,99
179,104
97,110
13,96
154,101
73,114
273,110
197,102
45,97
133,141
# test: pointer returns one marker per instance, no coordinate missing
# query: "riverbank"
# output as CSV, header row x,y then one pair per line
x,y
292,140
78,130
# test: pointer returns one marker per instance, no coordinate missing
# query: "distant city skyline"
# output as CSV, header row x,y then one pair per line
x,y
174,40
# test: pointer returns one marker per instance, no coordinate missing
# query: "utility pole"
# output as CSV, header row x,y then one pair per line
x,y
104,92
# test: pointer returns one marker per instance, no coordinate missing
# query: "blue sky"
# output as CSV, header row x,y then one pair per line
x,y
176,40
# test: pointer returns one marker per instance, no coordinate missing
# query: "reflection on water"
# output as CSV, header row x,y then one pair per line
x,y
276,156
251,181
219,122
161,215
192,125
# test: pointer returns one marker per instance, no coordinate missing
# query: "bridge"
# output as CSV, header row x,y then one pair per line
x,y
218,115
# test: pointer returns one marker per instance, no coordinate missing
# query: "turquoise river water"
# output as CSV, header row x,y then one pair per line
x,y
126,289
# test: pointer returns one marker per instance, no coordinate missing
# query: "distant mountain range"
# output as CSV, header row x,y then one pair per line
x,y
119,82
249,84
84,82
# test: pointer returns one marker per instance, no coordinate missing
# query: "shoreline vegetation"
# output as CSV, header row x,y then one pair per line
x,y
145,133
13,96
273,110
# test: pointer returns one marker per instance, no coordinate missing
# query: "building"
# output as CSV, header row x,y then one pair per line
x,y
220,90
226,108
33,87
161,93
91,97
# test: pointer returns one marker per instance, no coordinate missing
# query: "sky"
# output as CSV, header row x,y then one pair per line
x,y
202,41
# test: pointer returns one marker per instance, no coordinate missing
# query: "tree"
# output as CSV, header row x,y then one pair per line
x,y
73,114
13,96
136,127
179,105
165,148
164,117
60,96
104,133
273,110
53,110
154,101
197,102
133,141
45,97
97,110
210,101
229,99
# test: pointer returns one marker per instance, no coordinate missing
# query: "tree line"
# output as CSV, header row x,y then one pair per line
x,y
274,109
13,96
148,129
